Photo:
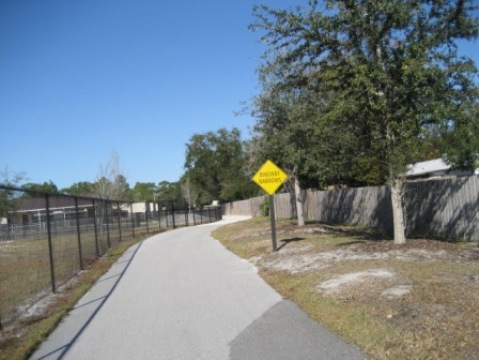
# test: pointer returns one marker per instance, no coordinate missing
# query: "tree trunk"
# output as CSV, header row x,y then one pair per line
x,y
298,194
398,214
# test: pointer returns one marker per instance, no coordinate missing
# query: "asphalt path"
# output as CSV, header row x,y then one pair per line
x,y
181,295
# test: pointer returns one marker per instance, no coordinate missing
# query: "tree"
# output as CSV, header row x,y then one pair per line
x,y
143,191
110,183
284,134
170,195
216,167
7,196
81,188
187,191
388,72
122,188
37,189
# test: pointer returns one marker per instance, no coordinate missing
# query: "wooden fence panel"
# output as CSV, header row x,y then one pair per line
x,y
285,205
249,207
367,206
446,208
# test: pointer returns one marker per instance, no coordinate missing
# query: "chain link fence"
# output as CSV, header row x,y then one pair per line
x,y
47,239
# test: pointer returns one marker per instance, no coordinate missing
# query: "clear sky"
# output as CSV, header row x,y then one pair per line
x,y
80,79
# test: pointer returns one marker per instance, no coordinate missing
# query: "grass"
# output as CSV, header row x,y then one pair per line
x,y
25,264
438,319
26,335
25,267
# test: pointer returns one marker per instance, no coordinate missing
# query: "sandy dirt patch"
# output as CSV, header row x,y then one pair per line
x,y
341,281
303,258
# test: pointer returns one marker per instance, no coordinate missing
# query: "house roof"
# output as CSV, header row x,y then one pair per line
x,y
427,167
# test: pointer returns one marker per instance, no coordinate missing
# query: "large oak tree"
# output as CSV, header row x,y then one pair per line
x,y
388,75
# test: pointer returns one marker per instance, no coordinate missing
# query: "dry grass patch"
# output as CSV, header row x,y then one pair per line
x,y
414,301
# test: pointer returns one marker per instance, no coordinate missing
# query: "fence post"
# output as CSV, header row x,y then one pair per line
x,y
132,220
147,210
173,214
119,218
78,233
159,217
273,223
50,245
96,230
107,224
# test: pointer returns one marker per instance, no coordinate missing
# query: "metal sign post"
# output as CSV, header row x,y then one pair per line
x,y
273,223
270,177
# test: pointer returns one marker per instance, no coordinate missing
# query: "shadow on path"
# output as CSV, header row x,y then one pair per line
x,y
60,341
286,332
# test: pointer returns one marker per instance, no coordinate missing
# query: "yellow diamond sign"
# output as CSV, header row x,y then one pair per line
x,y
270,177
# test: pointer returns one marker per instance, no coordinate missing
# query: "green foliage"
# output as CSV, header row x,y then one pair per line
x,y
216,167
46,187
84,188
143,191
355,91
122,188
8,197
169,195
117,189
264,207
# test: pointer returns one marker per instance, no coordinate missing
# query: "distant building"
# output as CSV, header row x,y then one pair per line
x,y
32,211
433,169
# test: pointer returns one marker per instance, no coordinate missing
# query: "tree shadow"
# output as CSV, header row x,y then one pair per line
x,y
367,206
444,208
354,242
288,241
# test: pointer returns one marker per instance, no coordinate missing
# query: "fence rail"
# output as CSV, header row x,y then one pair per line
x,y
439,208
46,239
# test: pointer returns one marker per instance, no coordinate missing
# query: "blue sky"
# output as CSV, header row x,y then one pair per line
x,y
82,79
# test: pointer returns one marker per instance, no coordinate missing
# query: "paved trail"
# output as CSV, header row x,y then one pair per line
x,y
182,295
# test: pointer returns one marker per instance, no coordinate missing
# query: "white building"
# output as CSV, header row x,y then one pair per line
x,y
432,169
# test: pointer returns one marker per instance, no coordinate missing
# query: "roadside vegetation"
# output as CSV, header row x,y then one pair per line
x,y
412,301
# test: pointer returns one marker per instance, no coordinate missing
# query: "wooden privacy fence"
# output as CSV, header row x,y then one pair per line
x,y
441,208
248,207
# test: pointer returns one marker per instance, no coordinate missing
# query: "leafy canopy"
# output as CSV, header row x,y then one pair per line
x,y
216,167
384,76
